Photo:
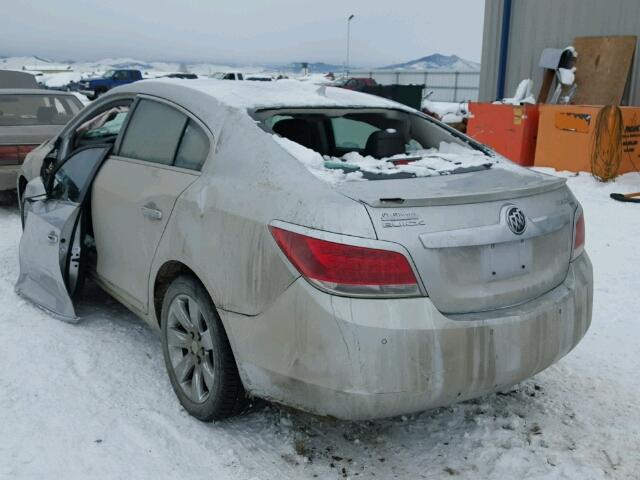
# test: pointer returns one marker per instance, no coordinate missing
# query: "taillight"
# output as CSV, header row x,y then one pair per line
x,y
579,236
348,269
14,154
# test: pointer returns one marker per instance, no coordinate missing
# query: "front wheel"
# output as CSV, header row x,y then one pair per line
x,y
197,353
97,93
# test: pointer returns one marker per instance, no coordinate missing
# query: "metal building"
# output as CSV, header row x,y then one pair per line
x,y
516,32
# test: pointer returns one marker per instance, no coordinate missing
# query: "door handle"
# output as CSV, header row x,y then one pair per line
x,y
52,237
151,212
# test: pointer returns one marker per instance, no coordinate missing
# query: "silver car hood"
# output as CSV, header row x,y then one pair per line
x,y
499,182
28,134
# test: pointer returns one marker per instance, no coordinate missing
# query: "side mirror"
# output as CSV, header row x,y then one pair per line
x,y
48,172
50,160
35,188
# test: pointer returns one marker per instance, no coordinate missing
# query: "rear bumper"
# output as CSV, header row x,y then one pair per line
x,y
363,358
9,177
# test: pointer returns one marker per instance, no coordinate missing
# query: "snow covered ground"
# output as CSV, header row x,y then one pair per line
x,y
93,401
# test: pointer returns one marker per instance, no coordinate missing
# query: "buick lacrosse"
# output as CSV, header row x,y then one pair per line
x,y
321,248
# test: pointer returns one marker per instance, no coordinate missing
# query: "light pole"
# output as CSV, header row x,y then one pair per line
x,y
346,67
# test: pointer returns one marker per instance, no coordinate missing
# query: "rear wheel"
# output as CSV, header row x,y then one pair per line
x,y
98,91
22,185
197,353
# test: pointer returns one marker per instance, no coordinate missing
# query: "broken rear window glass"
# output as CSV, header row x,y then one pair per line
x,y
371,144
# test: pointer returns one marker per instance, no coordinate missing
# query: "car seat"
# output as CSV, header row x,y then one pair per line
x,y
45,114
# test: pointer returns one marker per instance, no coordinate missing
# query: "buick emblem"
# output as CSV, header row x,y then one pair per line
x,y
516,220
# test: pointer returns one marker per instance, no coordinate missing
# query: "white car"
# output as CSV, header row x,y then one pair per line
x,y
322,248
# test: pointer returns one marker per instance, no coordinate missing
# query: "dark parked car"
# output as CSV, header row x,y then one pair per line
x,y
94,87
357,84
181,75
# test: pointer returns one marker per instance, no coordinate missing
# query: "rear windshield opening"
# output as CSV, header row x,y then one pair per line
x,y
371,144
26,109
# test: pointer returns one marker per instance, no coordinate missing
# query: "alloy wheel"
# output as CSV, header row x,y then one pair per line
x,y
190,347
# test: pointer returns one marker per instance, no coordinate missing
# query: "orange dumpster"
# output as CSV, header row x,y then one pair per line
x,y
566,134
511,130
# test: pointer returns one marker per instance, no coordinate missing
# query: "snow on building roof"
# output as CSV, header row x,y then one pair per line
x,y
282,93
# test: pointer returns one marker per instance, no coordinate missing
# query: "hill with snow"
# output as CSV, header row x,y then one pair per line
x,y
437,61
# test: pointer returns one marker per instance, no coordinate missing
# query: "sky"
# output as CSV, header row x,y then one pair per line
x,y
243,31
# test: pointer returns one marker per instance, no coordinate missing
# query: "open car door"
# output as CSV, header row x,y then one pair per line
x,y
52,241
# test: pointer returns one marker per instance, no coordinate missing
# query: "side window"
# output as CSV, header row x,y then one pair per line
x,y
72,177
121,75
351,134
102,127
153,133
193,149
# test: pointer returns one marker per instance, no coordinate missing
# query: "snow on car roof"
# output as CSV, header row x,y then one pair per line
x,y
282,93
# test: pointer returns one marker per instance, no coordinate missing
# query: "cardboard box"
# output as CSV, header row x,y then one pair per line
x,y
510,130
565,137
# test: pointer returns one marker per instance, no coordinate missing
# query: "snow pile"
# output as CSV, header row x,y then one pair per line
x,y
93,400
314,162
448,112
523,94
567,76
59,80
443,160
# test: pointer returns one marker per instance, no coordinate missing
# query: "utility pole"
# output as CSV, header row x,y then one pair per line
x,y
346,67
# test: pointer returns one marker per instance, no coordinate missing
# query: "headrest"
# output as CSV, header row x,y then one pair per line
x,y
384,143
46,114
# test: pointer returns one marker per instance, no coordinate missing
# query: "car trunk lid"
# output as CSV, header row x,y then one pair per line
x,y
456,230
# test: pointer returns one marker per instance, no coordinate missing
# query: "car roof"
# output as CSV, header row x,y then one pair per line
x,y
253,96
33,91
17,79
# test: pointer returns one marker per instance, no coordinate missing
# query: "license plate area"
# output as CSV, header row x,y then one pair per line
x,y
506,260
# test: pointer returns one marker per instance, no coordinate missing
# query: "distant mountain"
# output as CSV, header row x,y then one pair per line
x,y
119,63
154,68
439,62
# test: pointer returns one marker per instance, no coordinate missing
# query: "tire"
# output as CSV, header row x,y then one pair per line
x,y
23,213
197,354
96,94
